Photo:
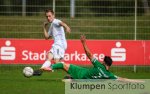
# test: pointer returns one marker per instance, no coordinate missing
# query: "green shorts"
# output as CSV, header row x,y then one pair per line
x,y
77,72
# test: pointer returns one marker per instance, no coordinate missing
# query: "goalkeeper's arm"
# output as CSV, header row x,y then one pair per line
x,y
86,49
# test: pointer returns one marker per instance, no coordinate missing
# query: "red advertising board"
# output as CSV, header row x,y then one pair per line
x,y
28,51
147,53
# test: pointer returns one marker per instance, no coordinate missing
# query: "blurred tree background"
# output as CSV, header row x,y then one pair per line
x,y
97,7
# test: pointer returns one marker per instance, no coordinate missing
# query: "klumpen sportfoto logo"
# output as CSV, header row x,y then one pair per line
x,y
106,87
110,86
7,52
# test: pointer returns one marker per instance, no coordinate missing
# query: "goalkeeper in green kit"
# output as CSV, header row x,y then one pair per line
x,y
100,70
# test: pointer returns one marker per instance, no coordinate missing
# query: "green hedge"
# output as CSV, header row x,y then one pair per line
x,y
83,8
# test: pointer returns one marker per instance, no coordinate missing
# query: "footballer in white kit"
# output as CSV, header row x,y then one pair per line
x,y
60,45
57,31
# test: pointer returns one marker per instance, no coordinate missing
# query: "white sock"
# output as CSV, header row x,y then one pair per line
x,y
46,64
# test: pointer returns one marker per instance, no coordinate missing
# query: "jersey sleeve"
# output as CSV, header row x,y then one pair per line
x,y
113,77
96,63
57,22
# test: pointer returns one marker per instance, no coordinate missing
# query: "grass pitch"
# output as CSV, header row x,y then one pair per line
x,y
12,80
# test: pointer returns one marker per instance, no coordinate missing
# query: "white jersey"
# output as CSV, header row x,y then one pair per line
x,y
58,34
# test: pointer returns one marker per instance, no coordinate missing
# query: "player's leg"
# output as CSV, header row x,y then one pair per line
x,y
52,54
64,66
58,54
76,72
46,65
67,78
61,65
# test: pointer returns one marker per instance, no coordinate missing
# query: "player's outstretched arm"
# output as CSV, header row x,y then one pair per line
x,y
67,28
86,49
129,80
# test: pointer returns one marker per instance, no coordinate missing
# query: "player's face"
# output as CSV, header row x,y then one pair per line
x,y
49,16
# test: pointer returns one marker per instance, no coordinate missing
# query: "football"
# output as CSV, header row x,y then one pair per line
x,y
28,71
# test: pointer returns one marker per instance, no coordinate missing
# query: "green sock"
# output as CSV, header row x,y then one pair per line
x,y
57,66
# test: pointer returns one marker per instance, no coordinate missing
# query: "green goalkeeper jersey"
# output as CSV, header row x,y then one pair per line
x,y
98,71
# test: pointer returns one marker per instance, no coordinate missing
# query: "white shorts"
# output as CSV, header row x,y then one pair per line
x,y
57,51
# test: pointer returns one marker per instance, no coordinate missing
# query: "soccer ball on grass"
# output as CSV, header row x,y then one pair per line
x,y
28,72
